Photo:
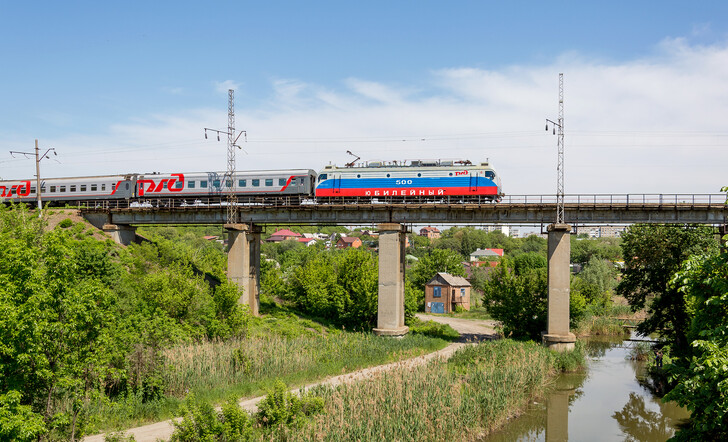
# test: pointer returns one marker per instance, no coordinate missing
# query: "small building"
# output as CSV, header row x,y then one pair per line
x,y
307,241
430,232
486,255
445,292
283,235
348,241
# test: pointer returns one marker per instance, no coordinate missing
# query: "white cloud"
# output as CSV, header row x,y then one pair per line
x,y
654,125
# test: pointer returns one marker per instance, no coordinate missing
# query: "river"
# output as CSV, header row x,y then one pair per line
x,y
604,403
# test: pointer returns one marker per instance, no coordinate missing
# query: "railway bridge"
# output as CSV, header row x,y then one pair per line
x,y
392,217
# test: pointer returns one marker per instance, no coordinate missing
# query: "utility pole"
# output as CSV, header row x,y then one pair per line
x,y
231,196
560,145
38,158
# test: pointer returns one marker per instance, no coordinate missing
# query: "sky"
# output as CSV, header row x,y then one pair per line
x,y
120,87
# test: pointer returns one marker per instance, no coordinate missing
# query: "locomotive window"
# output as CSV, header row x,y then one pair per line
x,y
62,189
281,181
179,185
215,183
73,188
387,175
190,184
358,175
269,182
256,183
83,187
419,174
450,173
93,188
322,177
53,189
489,174
242,183
203,184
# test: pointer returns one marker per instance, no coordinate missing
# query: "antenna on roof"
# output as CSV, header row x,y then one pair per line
x,y
351,164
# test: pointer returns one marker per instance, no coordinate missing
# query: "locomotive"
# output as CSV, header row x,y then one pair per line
x,y
371,180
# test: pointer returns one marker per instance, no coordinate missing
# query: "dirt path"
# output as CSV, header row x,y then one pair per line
x,y
471,331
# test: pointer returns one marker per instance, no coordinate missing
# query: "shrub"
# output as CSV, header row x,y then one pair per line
x,y
66,223
201,422
283,407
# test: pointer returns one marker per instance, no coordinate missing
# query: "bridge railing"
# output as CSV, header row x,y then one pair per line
x,y
578,200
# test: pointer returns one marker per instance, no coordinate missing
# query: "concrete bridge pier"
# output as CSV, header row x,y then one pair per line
x,y
557,336
390,313
244,262
121,233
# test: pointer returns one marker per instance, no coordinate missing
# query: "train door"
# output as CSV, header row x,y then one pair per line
x,y
337,183
473,182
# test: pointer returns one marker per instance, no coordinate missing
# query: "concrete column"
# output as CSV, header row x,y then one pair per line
x,y
244,262
390,313
557,416
121,233
557,335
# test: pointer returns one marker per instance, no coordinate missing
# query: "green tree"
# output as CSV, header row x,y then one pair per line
x,y
439,260
702,380
653,254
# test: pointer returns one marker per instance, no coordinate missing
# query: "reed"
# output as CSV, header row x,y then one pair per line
x,y
478,390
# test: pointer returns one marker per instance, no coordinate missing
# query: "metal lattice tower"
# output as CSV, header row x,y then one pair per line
x,y
560,166
232,200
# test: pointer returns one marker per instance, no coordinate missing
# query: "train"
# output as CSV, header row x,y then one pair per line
x,y
415,179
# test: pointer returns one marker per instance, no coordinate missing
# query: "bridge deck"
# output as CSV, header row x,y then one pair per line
x,y
517,209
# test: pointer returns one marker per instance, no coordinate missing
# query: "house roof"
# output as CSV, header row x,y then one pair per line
x,y
349,239
286,232
429,229
306,240
454,281
487,252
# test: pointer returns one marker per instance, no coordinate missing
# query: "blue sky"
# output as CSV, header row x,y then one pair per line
x,y
128,86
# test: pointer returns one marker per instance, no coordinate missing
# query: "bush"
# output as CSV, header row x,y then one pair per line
x,y
283,407
66,223
201,422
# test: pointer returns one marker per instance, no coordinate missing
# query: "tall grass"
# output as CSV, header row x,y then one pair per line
x,y
474,393
246,367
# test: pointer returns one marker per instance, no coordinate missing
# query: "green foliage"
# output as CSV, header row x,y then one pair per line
x,y
518,301
702,386
283,407
653,254
18,422
66,223
432,329
439,260
340,287
529,261
585,250
595,282
201,422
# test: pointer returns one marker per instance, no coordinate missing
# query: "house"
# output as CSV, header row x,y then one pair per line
x,y
348,241
445,292
307,241
430,232
283,235
486,255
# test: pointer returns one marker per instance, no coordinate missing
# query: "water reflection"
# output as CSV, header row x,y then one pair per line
x,y
605,404
639,423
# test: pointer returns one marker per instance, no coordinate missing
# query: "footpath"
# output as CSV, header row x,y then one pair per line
x,y
471,331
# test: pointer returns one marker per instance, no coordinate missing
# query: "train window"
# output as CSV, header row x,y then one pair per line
x,y
256,183
281,181
419,174
358,175
103,187
450,173
387,175
126,186
269,182
203,184
489,174
73,188
215,183
322,177
242,183
190,184
93,188
179,185
62,189
53,189
228,183
32,190
83,187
